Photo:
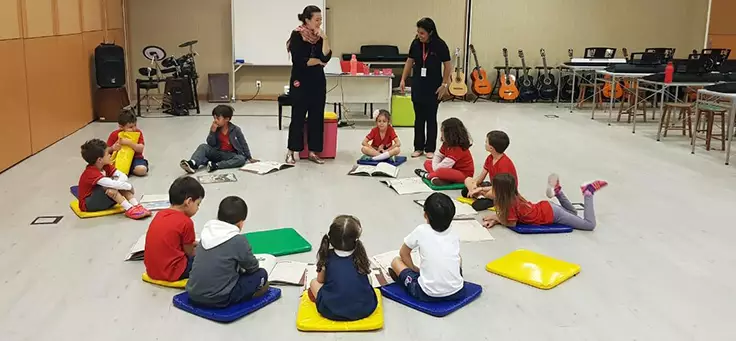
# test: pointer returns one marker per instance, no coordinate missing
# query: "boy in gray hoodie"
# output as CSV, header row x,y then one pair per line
x,y
225,271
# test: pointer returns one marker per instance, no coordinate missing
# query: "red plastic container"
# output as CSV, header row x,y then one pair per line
x,y
669,70
329,141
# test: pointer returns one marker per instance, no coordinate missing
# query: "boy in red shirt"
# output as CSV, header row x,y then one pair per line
x,y
170,240
101,186
496,163
225,148
127,122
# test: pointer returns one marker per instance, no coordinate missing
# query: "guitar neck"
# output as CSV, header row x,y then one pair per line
x,y
523,67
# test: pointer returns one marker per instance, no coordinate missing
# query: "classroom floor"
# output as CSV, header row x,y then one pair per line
x,y
658,267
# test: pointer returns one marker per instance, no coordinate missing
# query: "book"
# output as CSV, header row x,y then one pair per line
x,y
216,178
382,262
382,169
265,167
136,251
155,202
470,231
283,272
462,211
408,185
375,277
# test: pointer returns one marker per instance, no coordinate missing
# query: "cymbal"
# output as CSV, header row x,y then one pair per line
x,y
153,52
189,43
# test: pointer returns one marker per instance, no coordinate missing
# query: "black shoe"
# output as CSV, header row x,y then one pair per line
x,y
188,166
482,204
439,182
393,275
211,166
421,173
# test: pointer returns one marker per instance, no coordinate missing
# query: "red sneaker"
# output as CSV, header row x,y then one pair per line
x,y
137,212
593,186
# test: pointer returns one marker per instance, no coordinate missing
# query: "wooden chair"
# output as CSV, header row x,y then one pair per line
x,y
683,118
598,90
627,105
708,113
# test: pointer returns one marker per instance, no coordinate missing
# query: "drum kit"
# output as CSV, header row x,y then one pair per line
x,y
179,74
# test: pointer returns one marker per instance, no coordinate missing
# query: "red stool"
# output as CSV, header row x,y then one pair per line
x,y
329,138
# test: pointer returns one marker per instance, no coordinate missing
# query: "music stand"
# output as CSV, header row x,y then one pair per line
x,y
667,53
600,52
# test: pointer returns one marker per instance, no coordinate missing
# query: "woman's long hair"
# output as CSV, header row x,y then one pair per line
x,y
344,235
428,25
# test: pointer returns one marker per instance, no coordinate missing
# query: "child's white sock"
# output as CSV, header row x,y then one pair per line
x,y
383,156
133,201
126,205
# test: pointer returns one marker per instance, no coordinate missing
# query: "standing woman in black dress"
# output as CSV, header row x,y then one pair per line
x,y
427,54
310,52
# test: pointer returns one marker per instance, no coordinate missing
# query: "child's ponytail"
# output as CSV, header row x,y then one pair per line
x,y
360,259
324,249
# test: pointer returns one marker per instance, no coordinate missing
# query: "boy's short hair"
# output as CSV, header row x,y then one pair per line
x,y
232,210
185,187
440,211
498,140
126,117
93,150
223,110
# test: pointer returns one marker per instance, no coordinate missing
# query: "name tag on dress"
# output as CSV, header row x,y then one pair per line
x,y
424,72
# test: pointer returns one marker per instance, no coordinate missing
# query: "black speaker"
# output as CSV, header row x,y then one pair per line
x,y
110,66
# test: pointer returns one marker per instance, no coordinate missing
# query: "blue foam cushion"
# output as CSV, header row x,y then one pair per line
x,y
398,160
75,191
397,292
230,313
538,229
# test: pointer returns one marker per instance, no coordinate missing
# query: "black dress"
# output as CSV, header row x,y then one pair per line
x,y
346,295
307,92
430,56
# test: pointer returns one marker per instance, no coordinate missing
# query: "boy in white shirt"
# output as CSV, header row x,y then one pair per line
x,y
439,275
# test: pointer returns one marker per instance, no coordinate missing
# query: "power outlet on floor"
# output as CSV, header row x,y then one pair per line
x,y
258,84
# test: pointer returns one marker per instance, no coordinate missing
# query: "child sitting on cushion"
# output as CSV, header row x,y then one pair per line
x,y
101,186
439,275
128,122
497,162
381,143
170,239
225,148
225,271
454,162
342,289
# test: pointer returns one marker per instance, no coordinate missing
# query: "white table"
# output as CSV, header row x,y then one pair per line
x,y
707,97
574,70
661,89
346,88
610,78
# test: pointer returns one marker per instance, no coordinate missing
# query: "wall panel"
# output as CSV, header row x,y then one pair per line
x,y
15,127
92,15
69,16
10,19
39,18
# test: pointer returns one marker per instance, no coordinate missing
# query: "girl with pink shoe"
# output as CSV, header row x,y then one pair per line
x,y
512,208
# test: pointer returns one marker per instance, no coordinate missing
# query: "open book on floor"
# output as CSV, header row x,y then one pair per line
x,y
470,231
265,167
375,277
155,202
283,272
216,178
382,169
410,185
462,211
136,251
382,262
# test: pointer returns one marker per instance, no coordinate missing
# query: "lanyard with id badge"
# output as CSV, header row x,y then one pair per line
x,y
425,53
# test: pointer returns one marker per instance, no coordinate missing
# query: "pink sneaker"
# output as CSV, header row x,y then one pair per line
x,y
591,187
137,212
553,185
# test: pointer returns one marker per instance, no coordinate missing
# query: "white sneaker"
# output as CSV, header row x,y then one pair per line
x,y
553,181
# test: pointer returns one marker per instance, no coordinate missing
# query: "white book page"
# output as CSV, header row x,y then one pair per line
x,y
363,169
261,167
139,246
267,262
470,231
388,169
154,198
464,211
409,185
383,262
288,272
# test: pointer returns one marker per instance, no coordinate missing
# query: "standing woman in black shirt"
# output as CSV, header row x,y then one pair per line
x,y
427,54
310,52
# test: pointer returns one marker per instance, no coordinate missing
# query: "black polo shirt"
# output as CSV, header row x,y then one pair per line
x,y
437,53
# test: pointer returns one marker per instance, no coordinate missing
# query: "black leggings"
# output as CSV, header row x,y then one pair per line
x,y
425,113
314,106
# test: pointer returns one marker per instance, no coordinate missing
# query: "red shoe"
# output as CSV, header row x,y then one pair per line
x,y
593,186
137,212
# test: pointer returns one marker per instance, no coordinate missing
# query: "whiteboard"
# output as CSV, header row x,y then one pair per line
x,y
261,28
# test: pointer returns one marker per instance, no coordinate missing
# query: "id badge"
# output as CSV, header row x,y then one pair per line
x,y
424,72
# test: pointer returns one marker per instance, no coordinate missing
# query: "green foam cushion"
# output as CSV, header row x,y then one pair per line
x,y
278,242
443,187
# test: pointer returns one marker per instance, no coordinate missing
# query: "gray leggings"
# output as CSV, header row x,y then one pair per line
x,y
567,215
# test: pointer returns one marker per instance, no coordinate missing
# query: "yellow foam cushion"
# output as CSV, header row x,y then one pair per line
x,y
180,284
470,201
309,320
110,211
534,269
123,158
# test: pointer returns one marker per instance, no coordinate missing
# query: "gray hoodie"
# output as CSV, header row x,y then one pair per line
x,y
222,254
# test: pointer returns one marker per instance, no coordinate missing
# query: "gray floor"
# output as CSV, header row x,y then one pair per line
x,y
658,267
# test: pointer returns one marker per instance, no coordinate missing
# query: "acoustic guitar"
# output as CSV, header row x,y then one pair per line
x,y
528,92
568,89
458,88
507,90
481,84
546,81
